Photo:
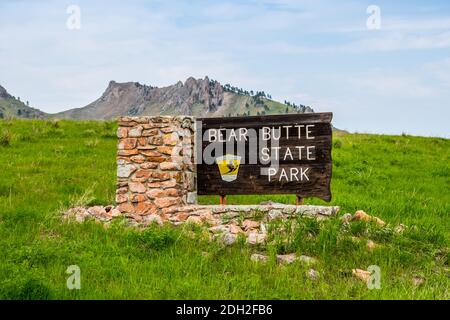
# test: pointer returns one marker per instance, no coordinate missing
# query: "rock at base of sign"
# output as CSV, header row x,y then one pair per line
x,y
250,224
226,223
100,213
256,238
228,238
210,214
231,211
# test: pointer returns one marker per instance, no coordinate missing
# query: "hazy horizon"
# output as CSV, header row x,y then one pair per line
x,y
391,79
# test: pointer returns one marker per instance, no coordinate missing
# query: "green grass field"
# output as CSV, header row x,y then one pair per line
x,y
48,166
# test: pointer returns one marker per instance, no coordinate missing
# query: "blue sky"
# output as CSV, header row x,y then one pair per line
x,y
321,53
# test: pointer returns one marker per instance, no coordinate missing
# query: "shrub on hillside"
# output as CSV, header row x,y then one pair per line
x,y
5,138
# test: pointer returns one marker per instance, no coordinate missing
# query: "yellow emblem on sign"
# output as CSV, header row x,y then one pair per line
x,y
228,166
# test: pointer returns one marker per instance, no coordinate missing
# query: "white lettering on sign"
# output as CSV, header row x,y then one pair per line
x,y
304,151
228,135
288,174
267,133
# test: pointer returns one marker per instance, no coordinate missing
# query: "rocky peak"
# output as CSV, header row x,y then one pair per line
x,y
190,82
4,94
209,93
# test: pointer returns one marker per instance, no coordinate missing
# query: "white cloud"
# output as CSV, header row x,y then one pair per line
x,y
387,84
399,41
440,70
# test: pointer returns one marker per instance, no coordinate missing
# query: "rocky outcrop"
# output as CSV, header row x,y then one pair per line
x,y
4,94
194,97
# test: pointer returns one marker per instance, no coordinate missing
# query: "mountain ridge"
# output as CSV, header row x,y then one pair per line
x,y
196,97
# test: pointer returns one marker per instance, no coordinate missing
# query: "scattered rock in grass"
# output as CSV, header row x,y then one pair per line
x,y
286,258
371,245
256,257
362,216
400,228
256,238
417,281
313,274
228,239
346,218
361,274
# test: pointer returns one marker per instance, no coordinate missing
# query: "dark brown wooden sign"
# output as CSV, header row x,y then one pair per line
x,y
282,154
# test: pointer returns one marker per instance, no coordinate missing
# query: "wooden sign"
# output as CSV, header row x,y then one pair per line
x,y
279,154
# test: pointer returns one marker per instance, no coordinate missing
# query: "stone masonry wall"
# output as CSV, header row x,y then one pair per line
x,y
155,165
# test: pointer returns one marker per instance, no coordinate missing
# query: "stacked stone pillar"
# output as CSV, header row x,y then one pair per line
x,y
155,165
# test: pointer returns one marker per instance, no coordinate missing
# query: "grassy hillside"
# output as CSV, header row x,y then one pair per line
x,y
46,166
13,108
238,104
235,104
